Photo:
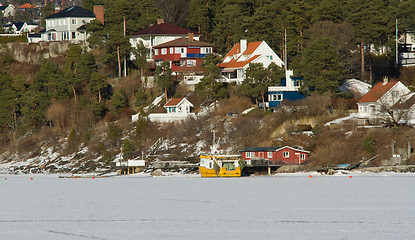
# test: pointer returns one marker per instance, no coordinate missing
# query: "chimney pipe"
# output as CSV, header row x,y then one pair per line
x,y
244,45
160,21
190,37
99,13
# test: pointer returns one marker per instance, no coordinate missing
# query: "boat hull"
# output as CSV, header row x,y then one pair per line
x,y
205,172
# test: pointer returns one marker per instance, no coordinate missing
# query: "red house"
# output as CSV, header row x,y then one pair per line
x,y
277,155
184,54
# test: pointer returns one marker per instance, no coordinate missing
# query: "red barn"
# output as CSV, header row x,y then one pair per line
x,y
277,155
184,54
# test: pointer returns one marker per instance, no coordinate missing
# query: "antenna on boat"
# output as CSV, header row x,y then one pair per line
x,y
214,141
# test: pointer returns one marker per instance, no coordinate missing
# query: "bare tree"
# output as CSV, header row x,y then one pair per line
x,y
394,107
174,11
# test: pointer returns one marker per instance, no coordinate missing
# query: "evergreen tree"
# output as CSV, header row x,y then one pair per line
x,y
321,67
164,77
209,85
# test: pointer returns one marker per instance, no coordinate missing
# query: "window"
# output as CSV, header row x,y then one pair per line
x,y
156,52
171,50
164,51
177,50
302,156
285,154
269,154
73,21
248,155
73,35
275,97
191,63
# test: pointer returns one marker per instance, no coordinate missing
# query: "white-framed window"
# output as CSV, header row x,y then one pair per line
x,y
302,156
163,51
171,50
206,50
177,50
275,97
286,154
248,155
156,52
269,154
191,63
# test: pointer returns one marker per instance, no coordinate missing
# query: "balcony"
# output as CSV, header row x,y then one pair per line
x,y
196,55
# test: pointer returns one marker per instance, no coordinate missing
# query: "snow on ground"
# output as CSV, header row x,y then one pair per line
x,y
283,206
338,120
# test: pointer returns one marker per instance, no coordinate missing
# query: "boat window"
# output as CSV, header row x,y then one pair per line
x,y
210,164
229,166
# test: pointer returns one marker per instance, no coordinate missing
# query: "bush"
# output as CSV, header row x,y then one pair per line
x,y
369,143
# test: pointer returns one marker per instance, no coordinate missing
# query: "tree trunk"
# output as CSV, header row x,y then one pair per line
x,y
165,92
119,61
362,53
74,95
99,96
142,78
263,100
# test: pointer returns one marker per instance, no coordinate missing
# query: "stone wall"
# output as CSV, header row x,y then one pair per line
x,y
34,53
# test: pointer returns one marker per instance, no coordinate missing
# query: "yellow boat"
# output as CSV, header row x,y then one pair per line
x,y
220,166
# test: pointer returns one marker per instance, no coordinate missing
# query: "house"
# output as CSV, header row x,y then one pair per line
x,y
406,49
26,6
158,34
275,155
183,54
288,91
67,25
380,99
178,109
20,27
8,11
237,60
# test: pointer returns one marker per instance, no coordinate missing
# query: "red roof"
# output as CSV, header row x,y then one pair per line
x,y
235,64
184,42
251,46
163,29
377,92
174,102
27,5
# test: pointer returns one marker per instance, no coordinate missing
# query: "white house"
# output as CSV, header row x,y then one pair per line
x,y
407,49
158,34
380,99
288,91
67,25
178,109
237,60
8,11
20,27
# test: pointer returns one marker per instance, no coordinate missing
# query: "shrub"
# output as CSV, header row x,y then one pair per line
x,y
369,143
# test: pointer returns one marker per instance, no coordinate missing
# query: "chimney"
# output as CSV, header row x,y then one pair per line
x,y
160,21
244,45
385,80
190,36
99,13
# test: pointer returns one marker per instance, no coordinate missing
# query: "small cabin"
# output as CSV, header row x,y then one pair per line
x,y
274,155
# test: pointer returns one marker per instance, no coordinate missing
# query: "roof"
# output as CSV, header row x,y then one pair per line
x,y
19,25
3,7
235,64
74,11
377,92
163,29
176,102
27,5
259,149
409,102
184,42
251,47
269,149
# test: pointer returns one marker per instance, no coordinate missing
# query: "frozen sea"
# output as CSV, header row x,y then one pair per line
x,y
286,206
